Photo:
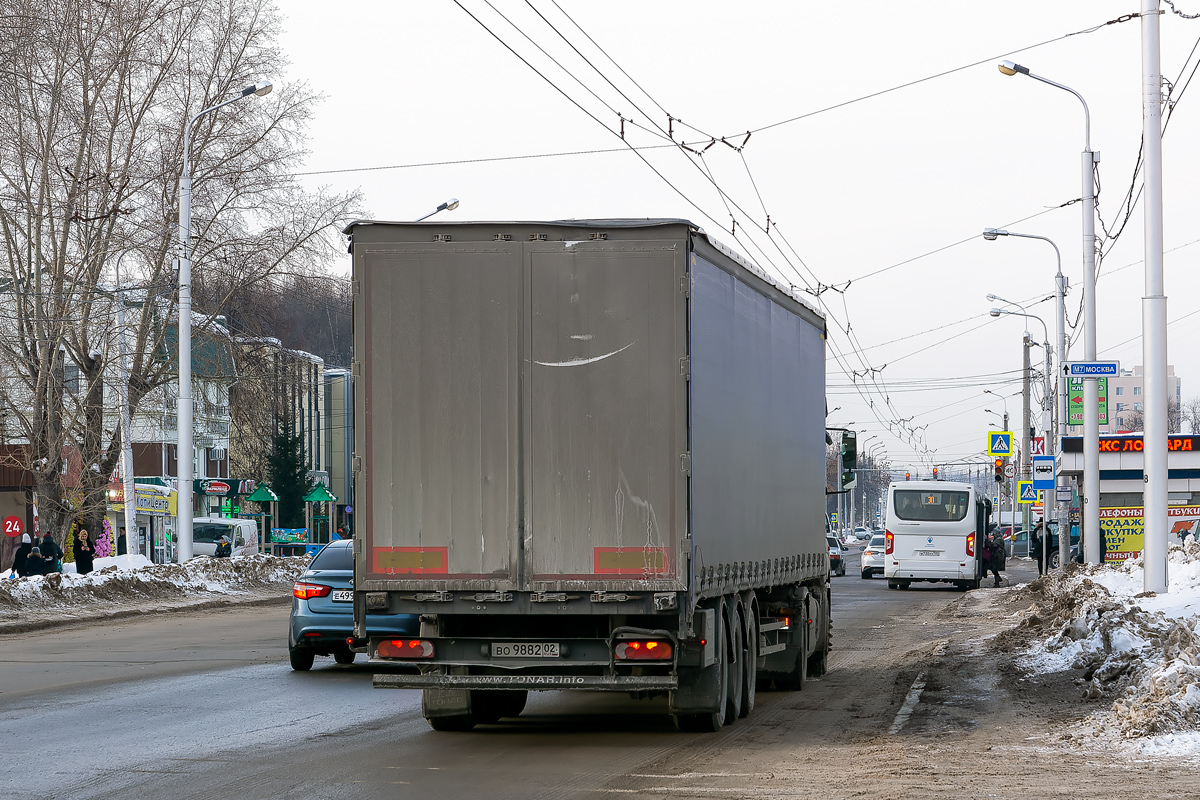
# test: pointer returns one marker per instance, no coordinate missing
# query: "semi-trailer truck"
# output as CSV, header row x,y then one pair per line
x,y
589,454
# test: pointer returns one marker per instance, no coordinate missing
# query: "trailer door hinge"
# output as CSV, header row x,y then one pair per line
x,y
685,464
685,367
683,286
605,597
493,597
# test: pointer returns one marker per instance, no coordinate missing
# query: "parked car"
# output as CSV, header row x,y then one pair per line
x,y
240,534
322,618
872,557
1075,553
837,560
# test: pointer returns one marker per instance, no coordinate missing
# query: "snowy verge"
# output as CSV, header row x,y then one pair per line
x,y
124,584
1138,652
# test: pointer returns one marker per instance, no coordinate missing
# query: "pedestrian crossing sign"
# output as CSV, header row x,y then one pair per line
x,y
1028,493
1000,443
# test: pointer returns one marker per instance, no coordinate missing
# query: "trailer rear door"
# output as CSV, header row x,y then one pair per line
x,y
607,423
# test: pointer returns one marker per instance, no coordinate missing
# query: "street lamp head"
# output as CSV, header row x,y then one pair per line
x,y
261,88
992,297
991,233
995,312
451,204
1012,68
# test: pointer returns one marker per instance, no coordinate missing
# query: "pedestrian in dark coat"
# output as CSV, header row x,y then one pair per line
x,y
121,543
22,554
85,552
51,552
993,555
1035,544
35,564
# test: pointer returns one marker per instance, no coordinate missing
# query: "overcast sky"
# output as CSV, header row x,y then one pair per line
x,y
878,192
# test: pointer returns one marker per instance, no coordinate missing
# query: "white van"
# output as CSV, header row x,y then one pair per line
x,y
207,533
933,534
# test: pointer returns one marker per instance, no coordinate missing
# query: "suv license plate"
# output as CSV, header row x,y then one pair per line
x,y
343,595
524,649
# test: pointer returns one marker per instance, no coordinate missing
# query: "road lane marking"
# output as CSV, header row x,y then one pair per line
x,y
914,695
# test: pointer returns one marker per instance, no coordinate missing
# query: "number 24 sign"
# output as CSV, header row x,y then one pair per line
x,y
13,526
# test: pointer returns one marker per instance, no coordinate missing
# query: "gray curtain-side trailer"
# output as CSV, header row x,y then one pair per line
x,y
589,454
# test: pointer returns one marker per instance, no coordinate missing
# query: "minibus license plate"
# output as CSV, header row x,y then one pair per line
x,y
525,649
933,553
343,595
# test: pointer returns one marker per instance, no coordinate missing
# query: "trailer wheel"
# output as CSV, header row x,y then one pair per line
x,y
737,670
459,723
750,661
818,661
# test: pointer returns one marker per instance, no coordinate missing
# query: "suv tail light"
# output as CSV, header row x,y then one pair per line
x,y
971,543
889,540
642,651
405,648
307,591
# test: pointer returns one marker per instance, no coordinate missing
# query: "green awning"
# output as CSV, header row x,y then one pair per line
x,y
320,494
263,494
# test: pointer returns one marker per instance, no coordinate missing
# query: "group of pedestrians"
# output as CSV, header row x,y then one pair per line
x,y
43,557
37,559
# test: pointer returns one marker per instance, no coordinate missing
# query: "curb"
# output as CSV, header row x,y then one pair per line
x,y
8,628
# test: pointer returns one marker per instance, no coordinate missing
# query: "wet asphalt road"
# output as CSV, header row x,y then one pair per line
x,y
205,705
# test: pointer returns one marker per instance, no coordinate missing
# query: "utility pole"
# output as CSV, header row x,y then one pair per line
x,y
1154,315
1026,466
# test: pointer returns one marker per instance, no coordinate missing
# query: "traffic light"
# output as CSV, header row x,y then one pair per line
x,y
907,476
849,459
935,473
999,470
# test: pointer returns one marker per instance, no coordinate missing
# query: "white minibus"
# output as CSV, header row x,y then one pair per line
x,y
933,533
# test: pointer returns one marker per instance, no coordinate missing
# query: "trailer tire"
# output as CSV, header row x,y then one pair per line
x,y
819,660
737,668
459,723
750,660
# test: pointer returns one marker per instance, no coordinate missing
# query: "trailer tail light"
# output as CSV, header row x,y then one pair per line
x,y
643,651
889,540
307,591
405,648
971,543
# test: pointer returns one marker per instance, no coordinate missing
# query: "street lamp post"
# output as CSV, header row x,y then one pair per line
x,y
183,414
449,205
1091,420
1060,423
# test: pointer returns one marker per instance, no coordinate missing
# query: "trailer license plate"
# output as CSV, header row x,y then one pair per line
x,y
525,649
343,595
933,553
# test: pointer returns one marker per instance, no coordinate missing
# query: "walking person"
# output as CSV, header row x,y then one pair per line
x,y
22,554
122,546
1035,544
51,552
85,553
993,556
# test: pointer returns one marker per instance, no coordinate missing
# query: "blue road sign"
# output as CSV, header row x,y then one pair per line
x,y
1043,472
1092,369
999,443
1028,493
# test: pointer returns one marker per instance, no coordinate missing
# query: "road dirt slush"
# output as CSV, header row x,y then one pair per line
x,y
979,725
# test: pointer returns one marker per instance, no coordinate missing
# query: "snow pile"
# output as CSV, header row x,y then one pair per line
x,y
1139,651
133,582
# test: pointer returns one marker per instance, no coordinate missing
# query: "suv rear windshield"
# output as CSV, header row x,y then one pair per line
x,y
334,557
931,505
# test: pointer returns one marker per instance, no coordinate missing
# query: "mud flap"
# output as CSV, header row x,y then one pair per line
x,y
701,688
445,702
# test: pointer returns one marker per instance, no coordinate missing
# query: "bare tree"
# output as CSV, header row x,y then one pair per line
x,y
1190,414
93,101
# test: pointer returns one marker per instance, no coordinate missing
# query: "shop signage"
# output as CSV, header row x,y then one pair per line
x,y
223,487
1132,444
1075,401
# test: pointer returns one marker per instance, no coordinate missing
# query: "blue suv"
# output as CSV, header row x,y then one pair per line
x,y
322,619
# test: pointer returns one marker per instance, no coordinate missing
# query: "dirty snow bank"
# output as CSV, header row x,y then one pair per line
x,y
132,582
1139,652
